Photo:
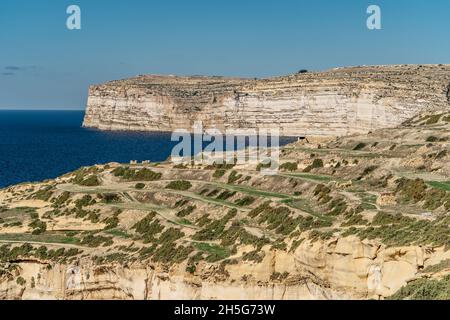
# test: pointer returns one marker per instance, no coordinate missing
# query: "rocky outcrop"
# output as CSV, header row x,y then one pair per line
x,y
338,102
365,268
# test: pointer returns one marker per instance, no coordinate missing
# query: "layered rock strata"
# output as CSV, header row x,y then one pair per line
x,y
338,102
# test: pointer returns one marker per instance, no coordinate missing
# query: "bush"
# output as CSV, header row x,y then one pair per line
x,y
145,174
90,181
360,146
185,212
95,241
234,176
263,166
140,186
21,281
317,163
38,226
289,166
219,173
425,289
179,185
246,201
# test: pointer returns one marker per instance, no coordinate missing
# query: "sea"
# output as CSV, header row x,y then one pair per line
x,y
39,145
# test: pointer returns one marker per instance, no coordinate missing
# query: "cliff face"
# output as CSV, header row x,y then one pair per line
x,y
337,102
345,268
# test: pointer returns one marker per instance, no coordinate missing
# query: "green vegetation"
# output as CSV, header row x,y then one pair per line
x,y
181,185
440,185
255,256
414,191
214,229
148,227
10,254
95,241
86,177
61,200
432,139
140,186
87,200
109,197
398,230
38,226
129,174
433,119
425,289
186,211
445,264
21,281
43,194
360,146
215,252
112,222
317,163
280,219
289,166
224,195
263,165
45,237
219,173
246,201
233,177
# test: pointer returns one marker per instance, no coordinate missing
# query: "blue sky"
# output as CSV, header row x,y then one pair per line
x,y
44,65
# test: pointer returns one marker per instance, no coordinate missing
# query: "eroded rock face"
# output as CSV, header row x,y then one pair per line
x,y
344,268
365,268
333,103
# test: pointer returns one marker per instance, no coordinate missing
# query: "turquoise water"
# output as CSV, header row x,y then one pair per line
x,y
39,145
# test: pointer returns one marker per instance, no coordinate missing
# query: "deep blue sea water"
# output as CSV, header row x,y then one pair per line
x,y
39,145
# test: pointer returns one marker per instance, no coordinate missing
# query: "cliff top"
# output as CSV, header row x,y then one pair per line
x,y
356,72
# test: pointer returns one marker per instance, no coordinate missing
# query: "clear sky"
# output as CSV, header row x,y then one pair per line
x,y
45,65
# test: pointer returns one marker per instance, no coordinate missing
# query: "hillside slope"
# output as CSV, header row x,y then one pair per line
x,y
359,217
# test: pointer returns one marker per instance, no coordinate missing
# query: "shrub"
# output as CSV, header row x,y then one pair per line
x,y
148,227
317,163
219,173
246,201
95,241
360,146
263,165
289,166
140,185
110,197
38,226
186,211
425,289
145,174
411,190
433,119
85,201
215,252
225,195
234,176
90,181
181,185
21,281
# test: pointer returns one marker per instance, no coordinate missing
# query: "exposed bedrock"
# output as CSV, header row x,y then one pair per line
x,y
337,102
